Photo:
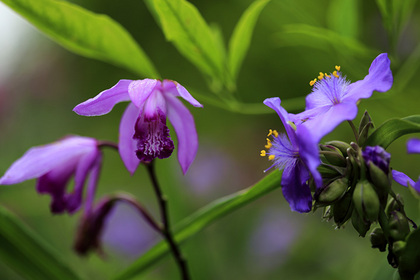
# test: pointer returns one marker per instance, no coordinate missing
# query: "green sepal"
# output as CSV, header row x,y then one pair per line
x,y
342,209
366,201
360,224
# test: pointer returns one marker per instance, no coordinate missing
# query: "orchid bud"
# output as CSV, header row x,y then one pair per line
x,y
360,224
342,146
398,226
333,155
333,191
342,209
378,239
366,201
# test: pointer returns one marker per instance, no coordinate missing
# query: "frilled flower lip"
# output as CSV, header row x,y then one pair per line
x,y
53,165
139,92
301,160
334,100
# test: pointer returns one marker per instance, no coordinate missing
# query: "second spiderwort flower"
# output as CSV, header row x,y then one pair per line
x,y
413,147
54,164
297,156
334,99
143,132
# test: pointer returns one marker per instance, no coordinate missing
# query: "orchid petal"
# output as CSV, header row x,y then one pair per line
x,y
140,90
126,145
379,79
274,103
104,101
402,179
178,90
40,160
413,146
183,123
297,195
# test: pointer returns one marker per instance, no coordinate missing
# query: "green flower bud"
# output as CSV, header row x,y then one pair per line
x,y
333,155
398,247
364,134
333,191
365,120
342,146
342,209
398,226
378,239
360,225
393,205
380,181
366,201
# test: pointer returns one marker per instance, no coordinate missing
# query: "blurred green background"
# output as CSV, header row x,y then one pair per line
x,y
293,41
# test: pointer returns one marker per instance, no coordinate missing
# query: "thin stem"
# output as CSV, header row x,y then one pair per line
x,y
356,134
166,232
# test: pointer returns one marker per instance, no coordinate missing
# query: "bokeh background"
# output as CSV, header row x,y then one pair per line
x,y
41,82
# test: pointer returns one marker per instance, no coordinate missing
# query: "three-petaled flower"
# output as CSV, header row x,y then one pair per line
x,y
334,99
143,134
297,156
54,164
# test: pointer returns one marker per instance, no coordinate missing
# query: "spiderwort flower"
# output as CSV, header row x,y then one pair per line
x,y
54,164
334,99
378,156
143,134
413,147
297,156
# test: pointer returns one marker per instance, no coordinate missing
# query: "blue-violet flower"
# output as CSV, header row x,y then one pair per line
x,y
413,147
334,99
143,134
297,156
54,164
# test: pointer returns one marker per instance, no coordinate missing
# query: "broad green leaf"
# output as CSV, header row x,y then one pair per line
x,y
343,17
392,129
183,25
241,37
27,254
85,33
410,258
203,218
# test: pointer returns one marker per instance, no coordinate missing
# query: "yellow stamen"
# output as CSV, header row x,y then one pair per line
x,y
263,153
311,83
321,76
275,133
327,75
270,132
271,157
269,145
337,68
335,74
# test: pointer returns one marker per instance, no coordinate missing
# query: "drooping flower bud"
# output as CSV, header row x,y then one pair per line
x,y
342,146
366,201
360,224
380,179
333,155
398,226
342,209
378,239
332,192
393,205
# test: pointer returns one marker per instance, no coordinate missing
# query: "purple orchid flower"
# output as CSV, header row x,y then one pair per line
x,y
54,164
334,99
297,156
413,147
143,133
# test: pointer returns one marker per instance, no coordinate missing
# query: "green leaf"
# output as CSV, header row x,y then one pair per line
x,y
85,33
241,37
410,259
343,17
392,129
183,25
203,218
395,13
27,254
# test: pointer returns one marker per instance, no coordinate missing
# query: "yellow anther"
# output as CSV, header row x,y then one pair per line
x,y
263,153
269,145
311,83
321,76
271,157
275,133
337,68
327,75
335,74
270,131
